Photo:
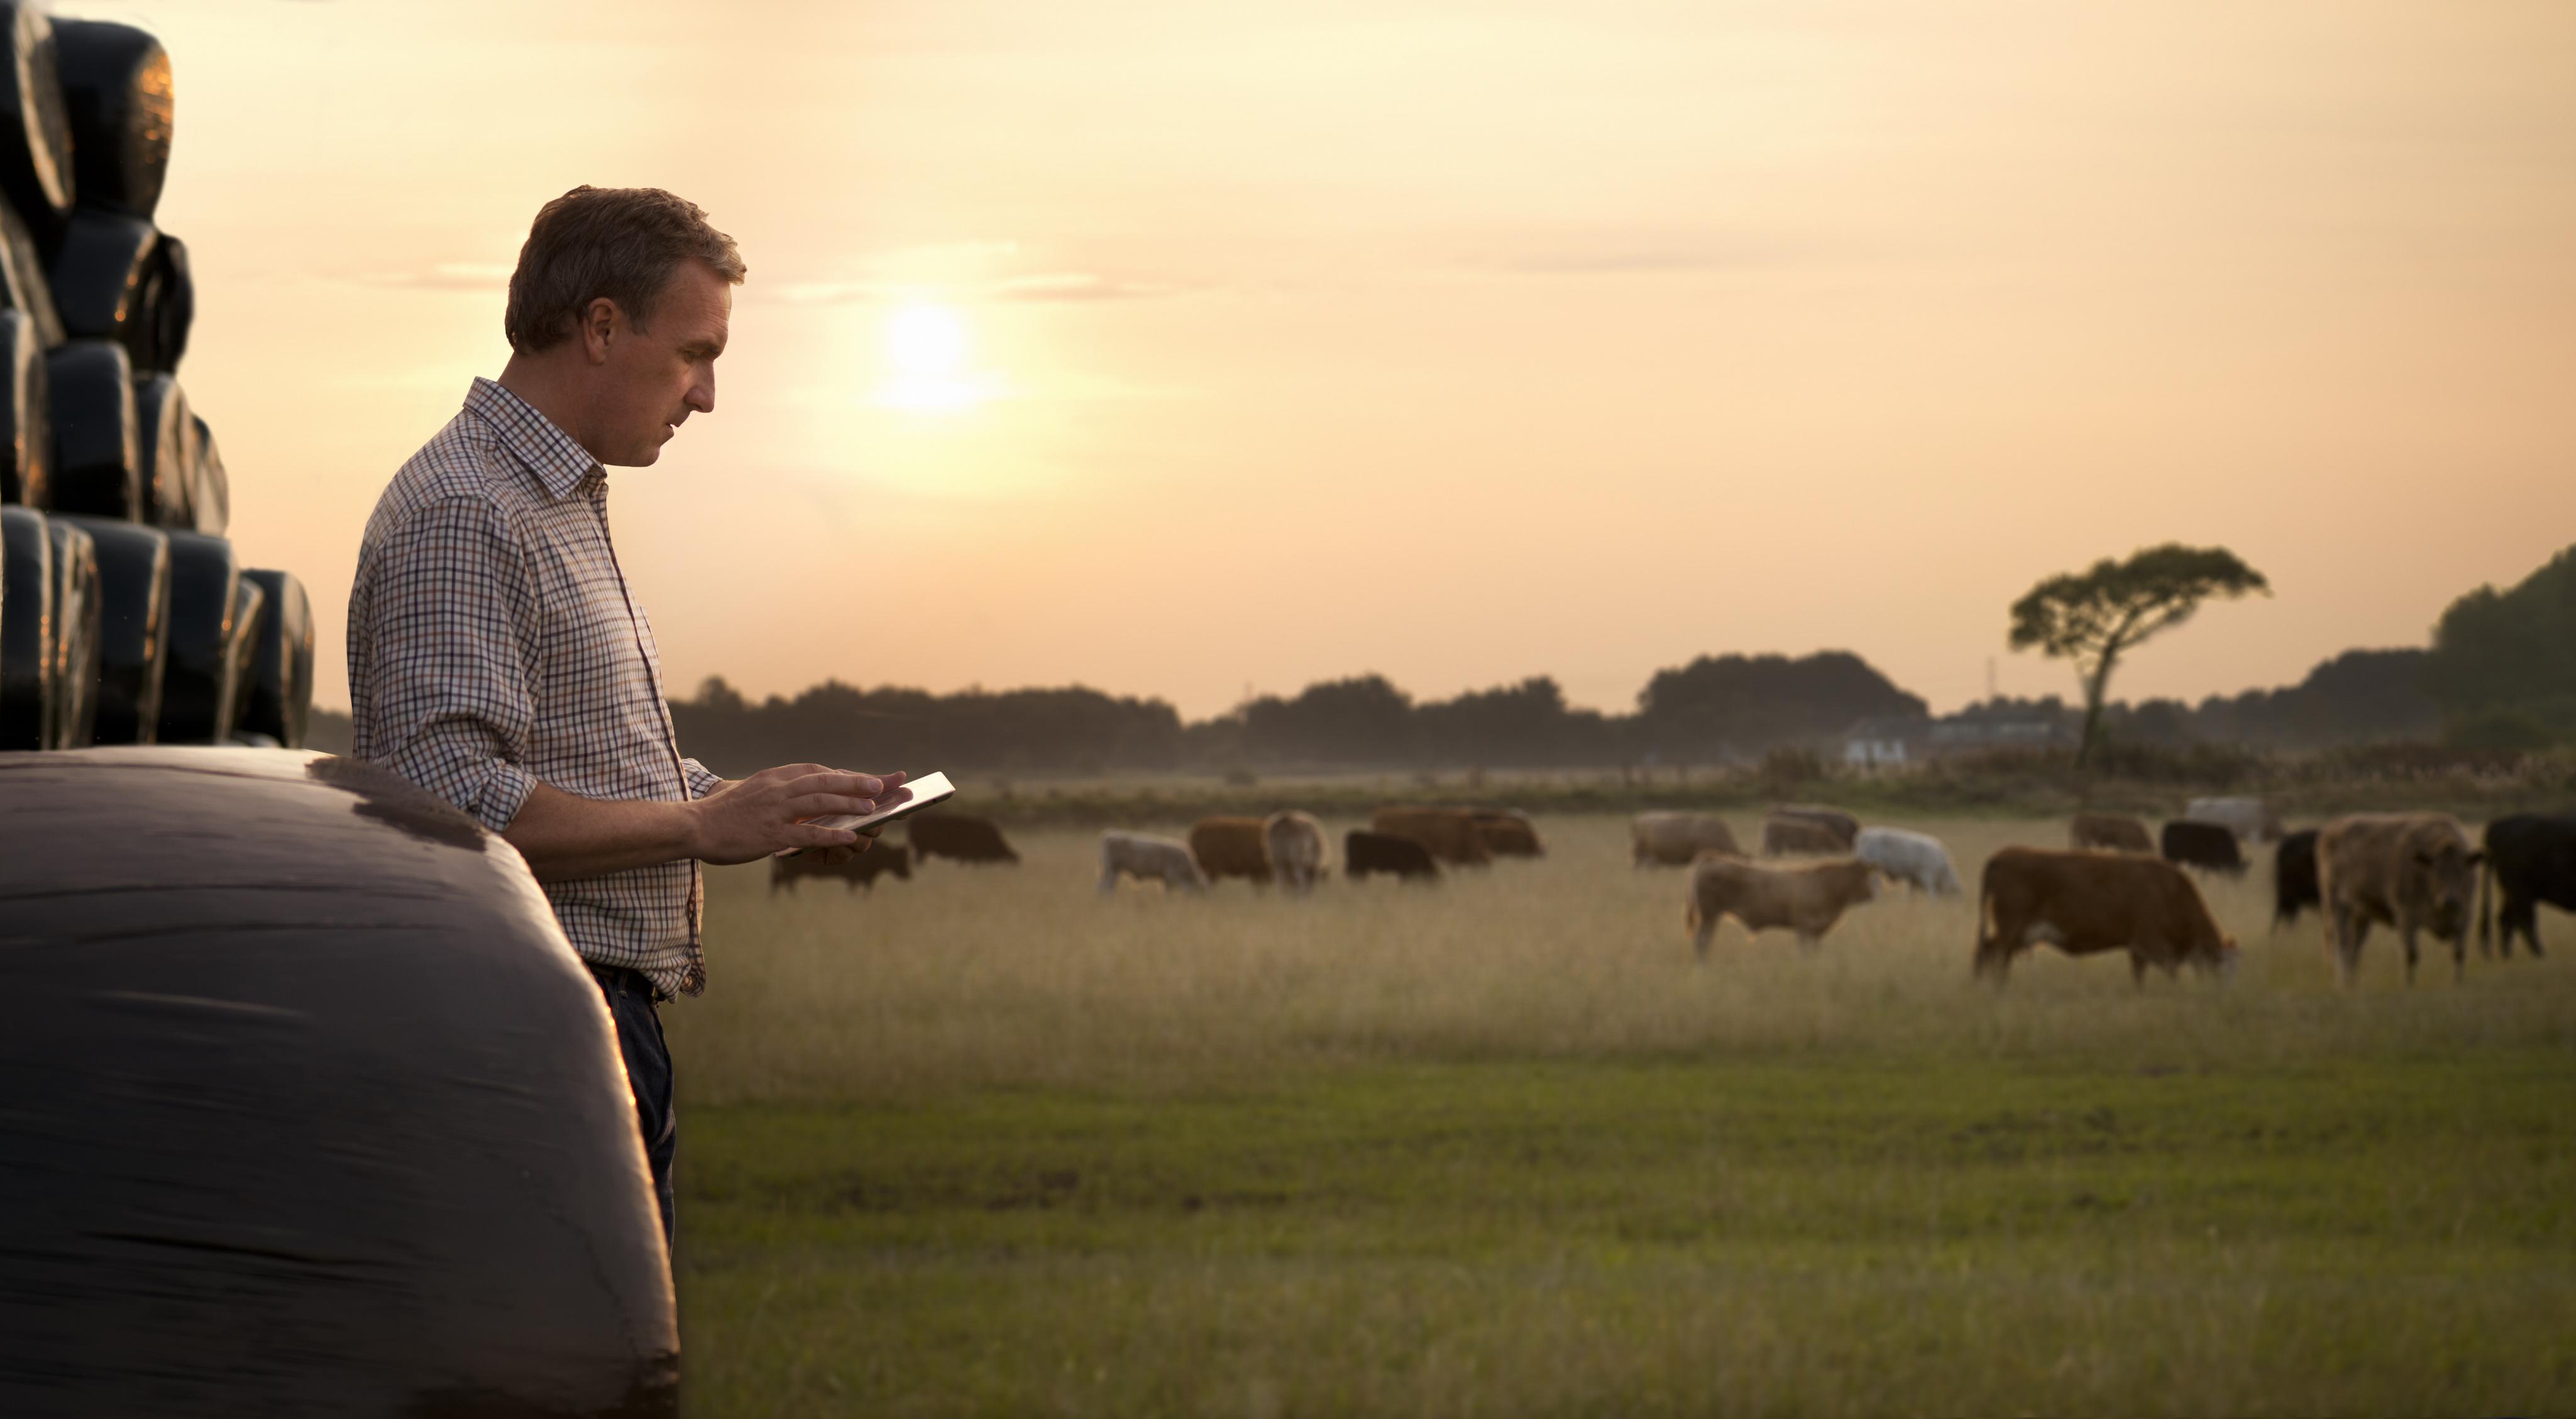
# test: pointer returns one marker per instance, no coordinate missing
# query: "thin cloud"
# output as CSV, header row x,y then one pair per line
x,y
446,276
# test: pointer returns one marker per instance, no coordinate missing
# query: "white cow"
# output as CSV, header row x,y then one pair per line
x,y
1909,857
1144,856
2249,818
1298,855
1674,839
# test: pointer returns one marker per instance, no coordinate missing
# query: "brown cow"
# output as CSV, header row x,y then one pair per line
x,y
2413,871
2115,831
1231,847
1784,833
961,836
1677,839
2084,902
1845,827
1448,833
1808,898
1508,832
862,870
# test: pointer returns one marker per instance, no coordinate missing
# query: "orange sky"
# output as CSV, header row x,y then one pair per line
x,y
1459,342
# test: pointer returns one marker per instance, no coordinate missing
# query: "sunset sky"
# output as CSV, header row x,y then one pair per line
x,y
1178,347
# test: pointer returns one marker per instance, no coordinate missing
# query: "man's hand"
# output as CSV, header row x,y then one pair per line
x,y
763,815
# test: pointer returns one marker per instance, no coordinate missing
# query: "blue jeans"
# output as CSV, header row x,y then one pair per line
x,y
648,1072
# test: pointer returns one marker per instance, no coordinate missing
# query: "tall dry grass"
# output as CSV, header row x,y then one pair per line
x,y
968,978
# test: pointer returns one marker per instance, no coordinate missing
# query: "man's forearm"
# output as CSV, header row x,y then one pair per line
x,y
564,835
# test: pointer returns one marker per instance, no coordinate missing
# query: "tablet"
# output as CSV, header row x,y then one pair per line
x,y
902,802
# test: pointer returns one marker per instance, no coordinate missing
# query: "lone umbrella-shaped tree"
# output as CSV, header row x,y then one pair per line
x,y
2093,617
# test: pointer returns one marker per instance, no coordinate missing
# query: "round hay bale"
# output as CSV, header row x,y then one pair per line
x,y
36,174
165,437
77,621
250,612
134,626
26,438
169,307
281,677
196,676
89,403
117,99
213,498
101,273
28,696
23,285
322,1118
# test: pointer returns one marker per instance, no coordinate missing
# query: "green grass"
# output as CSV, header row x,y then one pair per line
x,y
982,1143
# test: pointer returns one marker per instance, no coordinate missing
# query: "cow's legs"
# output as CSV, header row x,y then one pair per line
x,y
2522,916
2346,929
2406,934
2137,970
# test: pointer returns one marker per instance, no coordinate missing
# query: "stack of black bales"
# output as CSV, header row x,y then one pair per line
x,y
124,616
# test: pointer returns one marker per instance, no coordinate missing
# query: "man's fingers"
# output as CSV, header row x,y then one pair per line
x,y
824,805
808,835
835,781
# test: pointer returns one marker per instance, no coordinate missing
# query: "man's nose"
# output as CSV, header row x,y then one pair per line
x,y
702,393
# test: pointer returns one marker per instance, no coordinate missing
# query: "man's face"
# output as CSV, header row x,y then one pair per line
x,y
653,379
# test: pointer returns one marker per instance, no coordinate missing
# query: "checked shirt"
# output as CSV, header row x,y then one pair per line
x,y
493,645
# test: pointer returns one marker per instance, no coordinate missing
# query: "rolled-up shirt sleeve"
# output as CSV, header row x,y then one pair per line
x,y
453,625
702,780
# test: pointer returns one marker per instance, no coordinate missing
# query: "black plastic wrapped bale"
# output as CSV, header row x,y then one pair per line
x,y
117,96
312,1111
214,487
169,306
36,133
23,285
78,617
241,658
26,441
89,400
165,438
196,683
133,629
101,271
27,694
281,680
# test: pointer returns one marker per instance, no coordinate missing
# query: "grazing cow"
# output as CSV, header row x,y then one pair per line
x,y
1677,839
1844,827
2115,831
1147,857
1808,898
1782,835
2085,902
1231,847
1914,858
2294,877
958,835
2249,818
2530,859
862,870
1364,852
1508,832
1297,852
2413,871
1448,833
2208,846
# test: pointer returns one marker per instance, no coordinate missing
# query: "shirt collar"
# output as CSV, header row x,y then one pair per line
x,y
560,465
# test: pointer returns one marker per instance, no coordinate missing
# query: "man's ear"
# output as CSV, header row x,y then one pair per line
x,y
599,321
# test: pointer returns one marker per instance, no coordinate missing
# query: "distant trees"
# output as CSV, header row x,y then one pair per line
x,y
1744,704
2503,666
2095,616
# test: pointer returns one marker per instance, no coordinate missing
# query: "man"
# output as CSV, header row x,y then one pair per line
x,y
496,657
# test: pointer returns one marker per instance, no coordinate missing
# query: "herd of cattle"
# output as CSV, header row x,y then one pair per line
x,y
2115,887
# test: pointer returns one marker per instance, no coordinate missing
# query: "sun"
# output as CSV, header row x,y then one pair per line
x,y
929,361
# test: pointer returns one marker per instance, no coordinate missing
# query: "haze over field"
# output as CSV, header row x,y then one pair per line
x,y
1175,348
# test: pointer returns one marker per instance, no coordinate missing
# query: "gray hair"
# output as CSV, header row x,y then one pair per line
x,y
618,242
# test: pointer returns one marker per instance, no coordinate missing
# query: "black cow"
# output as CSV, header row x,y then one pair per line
x,y
2531,858
862,870
2294,878
2208,846
961,836
1364,852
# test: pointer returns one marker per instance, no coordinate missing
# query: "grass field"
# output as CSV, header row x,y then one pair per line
x,y
985,1142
